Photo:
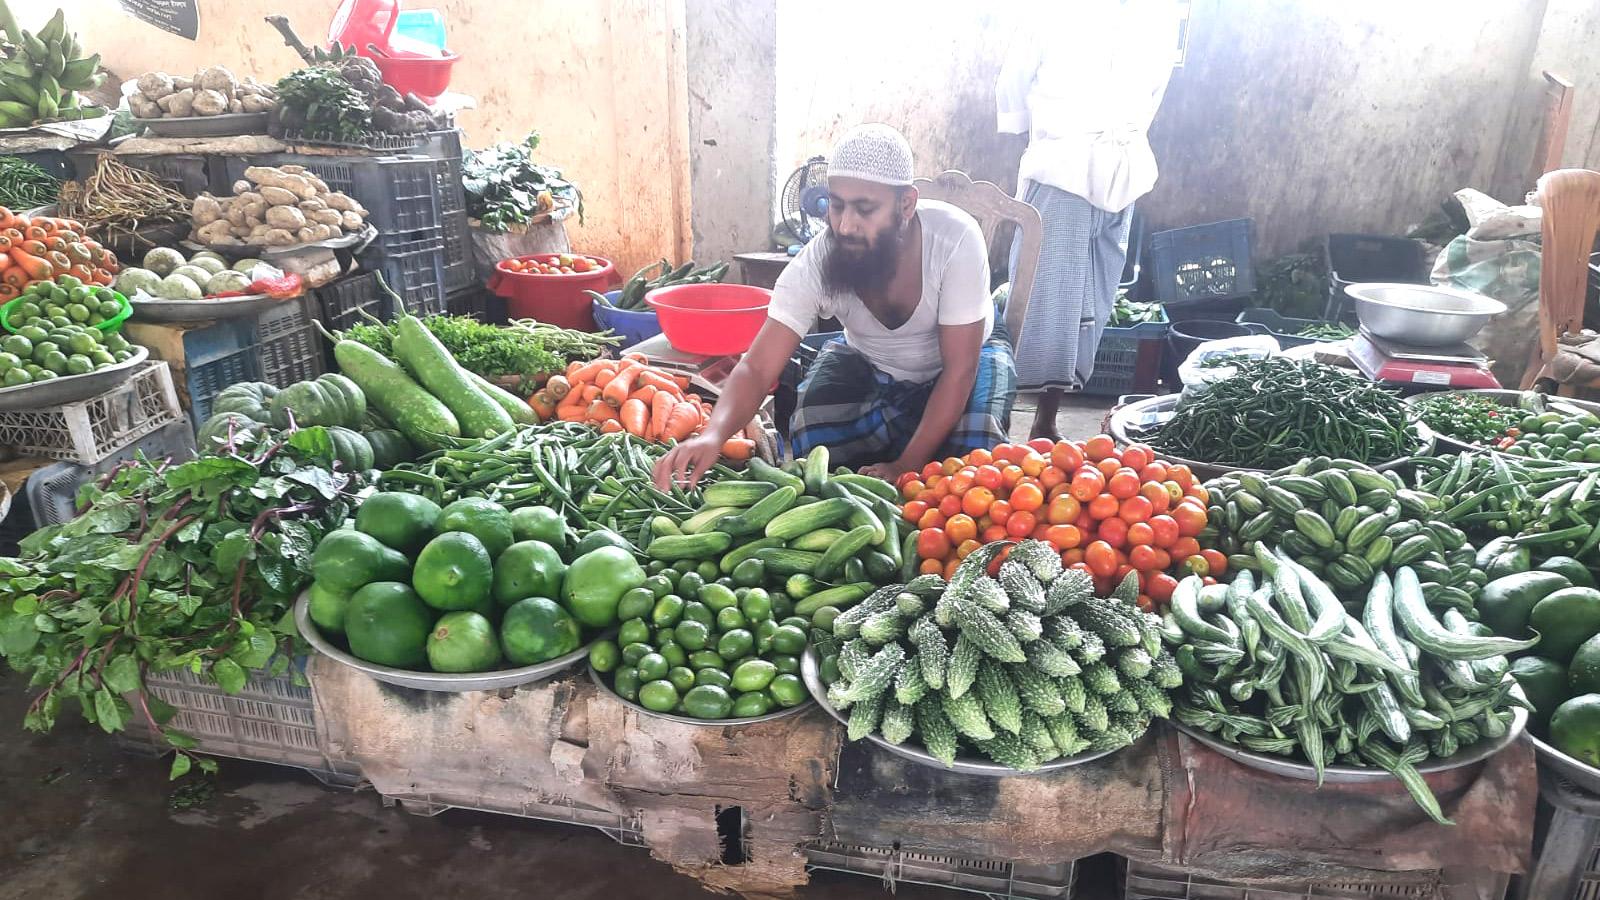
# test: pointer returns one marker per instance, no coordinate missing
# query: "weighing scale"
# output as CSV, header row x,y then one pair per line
x,y
1457,365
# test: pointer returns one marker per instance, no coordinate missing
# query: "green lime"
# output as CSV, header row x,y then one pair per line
x,y
708,570
667,611
716,677
736,644
789,639
16,376
636,604
626,683
116,342
705,659
17,344
55,361
77,312
695,611
788,690
386,623
659,585
681,677
633,631
32,333
692,635
707,701
717,596
652,666
658,694
730,619
25,310
750,705
44,375
110,309
689,585
756,605
754,675
102,357
605,656
786,664
654,566
463,641
750,573
674,653
9,361
78,364
41,349
823,618
632,653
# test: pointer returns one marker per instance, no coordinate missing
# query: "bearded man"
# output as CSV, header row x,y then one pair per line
x,y
924,369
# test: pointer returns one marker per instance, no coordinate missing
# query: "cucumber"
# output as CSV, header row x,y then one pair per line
x,y
788,562
761,470
736,493
844,548
815,469
425,357
843,595
801,519
689,546
706,519
754,520
421,416
745,551
878,486
520,412
817,541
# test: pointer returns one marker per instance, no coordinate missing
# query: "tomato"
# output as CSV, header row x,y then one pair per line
x,y
1033,464
960,481
1155,471
927,495
931,567
1066,456
980,457
999,511
1011,475
1100,557
1072,558
1164,559
911,487
1063,537
988,476
1159,499
952,465
965,549
931,471
1160,587
976,501
950,568
1165,530
932,543
960,527
1198,492
931,519
1136,456
913,511
1041,532
992,533
994,564
1135,509
1144,603
1144,558
1141,534
1062,510
1087,484
1197,565
1113,531
1042,446
1173,491
1184,548
949,506
1124,483
1215,562
1108,466
1052,478
1181,474
1027,497
1099,447
581,265
1104,506
1002,454
1020,524
1191,518
940,487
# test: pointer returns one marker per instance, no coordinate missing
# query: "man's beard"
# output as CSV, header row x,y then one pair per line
x,y
861,268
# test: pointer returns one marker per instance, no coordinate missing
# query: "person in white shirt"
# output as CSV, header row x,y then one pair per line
x,y
1084,87
923,370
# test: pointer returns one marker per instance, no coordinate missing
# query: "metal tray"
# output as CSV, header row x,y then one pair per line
x,y
359,238
1506,398
1290,768
1126,420
431,681
967,765
205,126
184,311
71,388
600,682
1571,768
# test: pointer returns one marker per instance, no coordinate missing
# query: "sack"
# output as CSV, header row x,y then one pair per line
x,y
1498,257
488,248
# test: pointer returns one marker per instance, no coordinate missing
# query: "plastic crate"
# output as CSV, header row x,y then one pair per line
x,y
55,163
342,302
206,381
271,720
1144,881
89,431
412,269
1566,842
289,345
401,193
1128,359
458,267
1203,262
444,148
53,490
188,173
1355,258
995,878
1283,328
622,829
474,302
185,347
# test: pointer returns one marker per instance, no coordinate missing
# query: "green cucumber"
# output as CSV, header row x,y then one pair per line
x,y
754,520
745,551
425,357
689,546
844,548
815,469
419,415
810,517
706,519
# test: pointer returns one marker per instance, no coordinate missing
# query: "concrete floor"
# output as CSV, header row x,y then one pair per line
x,y
82,819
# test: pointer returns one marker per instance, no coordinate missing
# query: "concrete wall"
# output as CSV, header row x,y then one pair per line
x,y
733,84
603,82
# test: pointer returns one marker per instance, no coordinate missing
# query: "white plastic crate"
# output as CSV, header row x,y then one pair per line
x,y
624,830
90,430
996,878
1145,881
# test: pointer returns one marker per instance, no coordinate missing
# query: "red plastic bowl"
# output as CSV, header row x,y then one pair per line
x,y
425,76
557,299
710,319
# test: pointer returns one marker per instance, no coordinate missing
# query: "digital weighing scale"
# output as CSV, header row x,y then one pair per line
x,y
1452,366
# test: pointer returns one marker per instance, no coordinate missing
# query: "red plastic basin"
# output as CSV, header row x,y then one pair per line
x,y
425,76
557,299
710,319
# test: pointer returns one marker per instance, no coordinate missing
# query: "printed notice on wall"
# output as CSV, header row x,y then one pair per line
x,y
181,17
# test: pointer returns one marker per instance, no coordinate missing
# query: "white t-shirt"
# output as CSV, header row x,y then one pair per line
x,y
955,291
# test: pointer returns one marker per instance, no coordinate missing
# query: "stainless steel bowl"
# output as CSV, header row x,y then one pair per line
x,y
1422,315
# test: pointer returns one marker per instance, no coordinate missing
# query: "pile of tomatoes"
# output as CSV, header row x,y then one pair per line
x,y
1108,511
553,264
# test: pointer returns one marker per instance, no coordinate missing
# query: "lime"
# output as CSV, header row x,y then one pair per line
x,y
83,343
705,659
25,310
730,619
786,665
754,675
77,312
536,629
707,701
652,666
682,677
752,704
44,375
667,611
659,585
633,631
327,607
715,677
605,656
463,641
484,519
692,635
69,281
55,361
635,604
109,308
18,345
32,333
78,364
16,376
116,342
717,596
9,361
626,683
736,644
658,694
632,653
102,357
789,639
41,349
788,690
674,652
695,611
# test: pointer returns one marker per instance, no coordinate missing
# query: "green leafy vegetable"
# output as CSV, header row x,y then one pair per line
x,y
489,350
506,188
319,101
1127,312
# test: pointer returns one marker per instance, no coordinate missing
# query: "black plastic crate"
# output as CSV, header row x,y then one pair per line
x,y
289,345
53,490
1357,258
444,148
473,301
458,269
412,269
206,381
1203,262
401,193
342,302
55,163
189,173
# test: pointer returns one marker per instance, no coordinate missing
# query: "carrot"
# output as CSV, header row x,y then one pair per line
x,y
589,393
574,413
682,381
738,448
572,367
636,356
543,406
36,268
587,371
557,387
660,408
682,421
621,384
610,426
600,411
646,393
660,382
634,415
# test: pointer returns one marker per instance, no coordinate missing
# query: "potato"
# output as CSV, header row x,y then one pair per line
x,y
278,237
286,217
249,196
258,233
205,210
241,186
338,200
181,83
235,212
143,107
208,102
180,103
219,79
235,106
217,232
318,183
256,212
155,85
277,196
292,170
351,221
255,103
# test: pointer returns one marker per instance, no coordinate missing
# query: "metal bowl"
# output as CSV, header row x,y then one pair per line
x,y
205,126
1294,768
431,681
968,765
71,388
1422,315
185,311
600,682
1572,769
1506,398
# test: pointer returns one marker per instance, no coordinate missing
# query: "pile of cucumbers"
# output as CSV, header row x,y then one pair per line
x,y
43,73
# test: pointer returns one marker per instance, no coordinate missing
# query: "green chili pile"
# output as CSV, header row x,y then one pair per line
x,y
24,186
1326,331
1466,417
1273,412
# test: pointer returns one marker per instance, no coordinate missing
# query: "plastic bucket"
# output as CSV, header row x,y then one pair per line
x,y
425,76
557,299
710,319
1186,336
631,325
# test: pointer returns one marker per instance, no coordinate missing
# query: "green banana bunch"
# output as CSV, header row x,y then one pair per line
x,y
43,72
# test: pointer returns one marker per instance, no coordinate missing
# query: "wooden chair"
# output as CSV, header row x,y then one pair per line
x,y
986,202
1570,199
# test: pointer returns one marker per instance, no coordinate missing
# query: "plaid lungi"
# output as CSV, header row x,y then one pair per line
x,y
866,417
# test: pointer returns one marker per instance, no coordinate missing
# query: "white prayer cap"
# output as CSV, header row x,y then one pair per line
x,y
873,152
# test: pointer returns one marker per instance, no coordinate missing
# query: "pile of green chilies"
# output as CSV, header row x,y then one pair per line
x,y
595,480
1551,507
1275,411
24,185
1466,417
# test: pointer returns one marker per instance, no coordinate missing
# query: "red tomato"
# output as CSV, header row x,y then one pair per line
x,y
1165,529
1123,484
994,564
1062,510
1066,456
1113,531
1063,537
1099,447
992,533
1033,464
965,548
931,519
931,567
950,568
1159,499
980,457
1215,562
932,543
1144,558
1073,558
1140,533
952,465
950,506
1027,497
911,487
1010,476
1042,446
1121,572
1191,518
1160,587
1136,456
1197,565
1052,478
1144,603
960,527
1041,532
1155,471
1198,492
1087,484
581,265
1020,524
999,512
960,481
1002,454
1104,506
1181,474
988,476
976,501
1108,466
931,471
913,511
1184,548
1101,558
1135,509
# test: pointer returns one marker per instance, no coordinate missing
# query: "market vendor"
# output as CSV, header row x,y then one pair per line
x,y
924,369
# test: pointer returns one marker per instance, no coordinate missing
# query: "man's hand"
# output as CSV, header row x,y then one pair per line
x,y
888,471
687,462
